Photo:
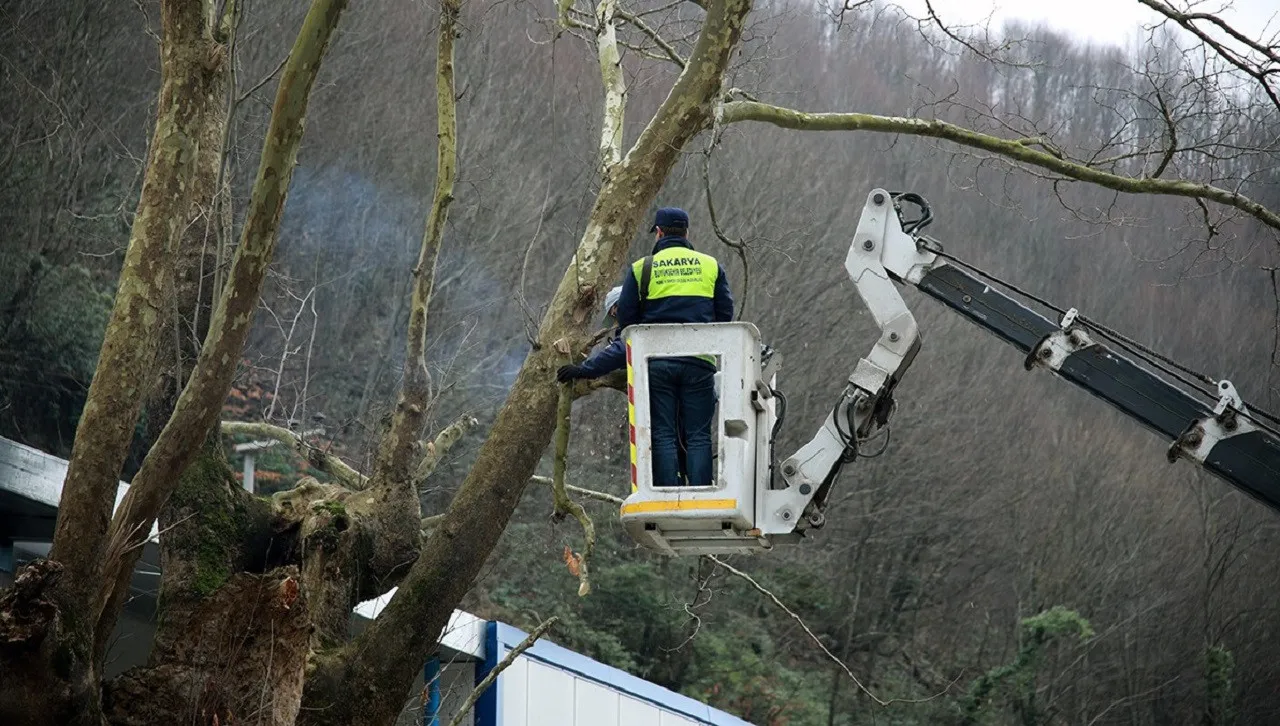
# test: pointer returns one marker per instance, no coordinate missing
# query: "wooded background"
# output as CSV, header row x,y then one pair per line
x,y
1001,493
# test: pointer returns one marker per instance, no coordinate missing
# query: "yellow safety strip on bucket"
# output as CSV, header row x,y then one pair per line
x,y
631,417
681,505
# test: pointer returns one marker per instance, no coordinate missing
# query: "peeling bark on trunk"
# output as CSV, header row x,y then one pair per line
x,y
394,646
201,400
193,259
186,319
241,657
58,660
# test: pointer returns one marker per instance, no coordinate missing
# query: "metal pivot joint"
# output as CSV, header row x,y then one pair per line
x,y
1054,349
1229,419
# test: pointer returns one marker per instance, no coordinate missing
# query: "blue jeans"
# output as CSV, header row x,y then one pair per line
x,y
682,407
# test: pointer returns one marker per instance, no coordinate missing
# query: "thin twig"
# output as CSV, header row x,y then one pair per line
x,y
763,591
254,88
510,658
739,246
658,40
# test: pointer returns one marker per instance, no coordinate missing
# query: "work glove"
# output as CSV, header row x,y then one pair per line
x,y
569,372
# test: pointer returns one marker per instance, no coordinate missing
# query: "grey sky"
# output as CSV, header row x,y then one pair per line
x,y
1102,21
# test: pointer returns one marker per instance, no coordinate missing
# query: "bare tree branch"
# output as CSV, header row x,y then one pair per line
x,y
1016,150
737,246
1261,70
131,341
503,664
587,493
320,459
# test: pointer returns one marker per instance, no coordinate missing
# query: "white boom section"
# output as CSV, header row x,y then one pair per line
x,y
880,251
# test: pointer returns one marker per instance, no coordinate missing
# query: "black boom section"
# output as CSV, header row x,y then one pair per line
x,y
1159,406
994,311
1250,461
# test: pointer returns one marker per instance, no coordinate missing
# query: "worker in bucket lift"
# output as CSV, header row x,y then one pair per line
x,y
683,286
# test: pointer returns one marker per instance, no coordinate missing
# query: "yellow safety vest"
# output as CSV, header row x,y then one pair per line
x,y
678,272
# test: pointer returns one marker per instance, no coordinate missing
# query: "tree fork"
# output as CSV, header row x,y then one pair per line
x,y
54,649
394,646
198,406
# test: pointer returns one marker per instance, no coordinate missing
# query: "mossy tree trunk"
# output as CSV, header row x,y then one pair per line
x,y
47,651
55,625
233,629
200,403
392,649
238,605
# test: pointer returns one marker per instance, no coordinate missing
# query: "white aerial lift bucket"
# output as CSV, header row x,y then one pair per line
x,y
715,519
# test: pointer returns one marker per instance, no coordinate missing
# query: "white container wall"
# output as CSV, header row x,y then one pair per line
x,y
548,685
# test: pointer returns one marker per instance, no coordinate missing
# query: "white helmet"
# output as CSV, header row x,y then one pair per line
x,y
611,299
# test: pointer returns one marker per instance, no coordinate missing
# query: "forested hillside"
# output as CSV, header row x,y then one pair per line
x,y
1020,553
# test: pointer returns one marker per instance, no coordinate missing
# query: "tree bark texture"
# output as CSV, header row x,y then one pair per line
x,y
54,648
194,261
391,650
239,656
233,630
199,405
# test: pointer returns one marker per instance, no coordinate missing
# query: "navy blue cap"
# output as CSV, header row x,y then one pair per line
x,y
670,218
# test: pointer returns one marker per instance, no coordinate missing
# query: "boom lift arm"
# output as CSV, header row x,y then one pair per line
x,y
1225,437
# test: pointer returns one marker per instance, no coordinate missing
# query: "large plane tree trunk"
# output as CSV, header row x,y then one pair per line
x,y
391,651
236,617
47,638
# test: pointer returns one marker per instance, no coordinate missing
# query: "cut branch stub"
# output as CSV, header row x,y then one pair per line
x,y
436,449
